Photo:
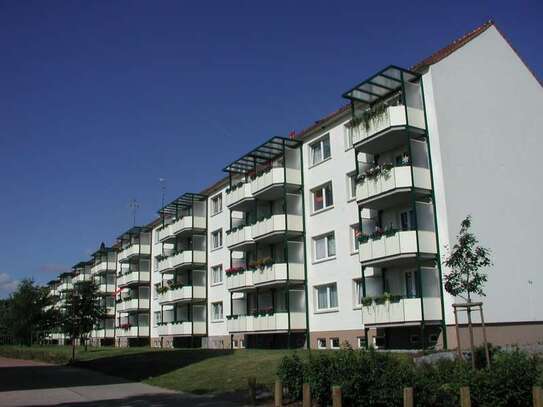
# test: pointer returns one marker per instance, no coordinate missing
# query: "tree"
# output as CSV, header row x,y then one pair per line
x,y
466,262
82,312
25,316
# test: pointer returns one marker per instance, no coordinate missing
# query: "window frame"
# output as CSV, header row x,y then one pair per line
x,y
213,269
332,343
351,183
326,238
320,142
325,204
355,243
328,308
213,305
214,234
214,200
320,341
358,293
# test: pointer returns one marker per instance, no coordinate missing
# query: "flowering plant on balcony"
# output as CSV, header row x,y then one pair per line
x,y
234,270
260,170
162,289
176,286
234,187
125,326
263,312
367,301
260,263
375,171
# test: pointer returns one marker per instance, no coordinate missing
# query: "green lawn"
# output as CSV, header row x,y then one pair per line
x,y
190,370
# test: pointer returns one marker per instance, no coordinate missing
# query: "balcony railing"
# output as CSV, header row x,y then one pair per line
x,y
276,224
181,225
401,311
397,178
271,274
277,321
185,328
394,117
106,288
239,195
133,304
81,277
275,176
134,250
185,258
400,244
133,331
103,333
239,238
133,277
104,266
185,293
66,287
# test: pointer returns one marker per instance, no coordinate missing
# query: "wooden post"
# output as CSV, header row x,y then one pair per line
x,y
336,396
252,389
465,398
408,397
537,396
458,347
471,340
306,401
487,354
278,394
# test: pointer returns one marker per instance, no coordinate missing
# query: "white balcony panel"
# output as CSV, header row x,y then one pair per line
x,y
181,259
180,225
133,305
134,250
394,117
276,273
275,176
242,279
398,177
80,278
186,293
184,328
405,310
238,195
276,223
401,243
133,331
106,288
66,286
104,266
239,237
133,277
103,333
274,322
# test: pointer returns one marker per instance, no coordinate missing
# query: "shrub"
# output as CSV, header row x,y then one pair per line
x,y
291,373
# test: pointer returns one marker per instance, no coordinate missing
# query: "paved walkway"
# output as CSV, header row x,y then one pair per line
x,y
30,383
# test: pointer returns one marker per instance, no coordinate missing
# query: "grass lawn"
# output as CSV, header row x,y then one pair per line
x,y
190,370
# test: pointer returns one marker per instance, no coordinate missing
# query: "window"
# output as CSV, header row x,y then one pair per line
x,y
320,150
325,247
216,311
351,186
216,239
321,343
355,234
216,274
411,284
216,204
334,343
327,297
361,342
358,292
235,343
322,197
407,220
348,135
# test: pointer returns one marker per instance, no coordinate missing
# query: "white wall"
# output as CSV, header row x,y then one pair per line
x,y
485,119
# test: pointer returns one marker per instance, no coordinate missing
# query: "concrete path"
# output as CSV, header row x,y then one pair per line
x,y
30,383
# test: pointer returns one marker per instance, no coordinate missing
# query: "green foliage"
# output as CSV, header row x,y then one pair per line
x,y
291,373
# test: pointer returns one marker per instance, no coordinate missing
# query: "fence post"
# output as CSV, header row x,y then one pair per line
x,y
537,396
336,396
465,398
278,394
408,397
252,389
306,399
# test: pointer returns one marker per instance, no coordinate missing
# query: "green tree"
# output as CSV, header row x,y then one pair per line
x,y
82,312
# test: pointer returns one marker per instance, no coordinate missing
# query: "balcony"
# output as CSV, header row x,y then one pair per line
x,y
388,130
133,277
402,311
134,250
186,293
185,328
239,197
133,304
276,224
274,274
133,331
390,188
66,286
183,259
106,288
387,250
103,333
239,238
269,184
181,225
103,267
266,322
80,278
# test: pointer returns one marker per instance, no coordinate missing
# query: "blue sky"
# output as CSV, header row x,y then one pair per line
x,y
100,99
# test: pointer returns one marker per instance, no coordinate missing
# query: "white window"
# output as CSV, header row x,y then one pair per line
x,y
321,343
351,186
361,342
355,234
358,292
327,297
235,343
322,197
325,247
334,343
216,311
320,150
216,274
216,204
216,239
348,135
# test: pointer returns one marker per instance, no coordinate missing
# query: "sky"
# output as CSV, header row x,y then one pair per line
x,y
101,99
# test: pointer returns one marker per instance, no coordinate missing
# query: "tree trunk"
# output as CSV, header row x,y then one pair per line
x,y
73,349
86,342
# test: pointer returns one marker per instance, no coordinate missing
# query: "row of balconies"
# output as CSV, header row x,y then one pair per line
x,y
240,279
180,226
244,236
79,278
186,328
261,184
181,259
136,249
65,286
133,277
277,321
104,266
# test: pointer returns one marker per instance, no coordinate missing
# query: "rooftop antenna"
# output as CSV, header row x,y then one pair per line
x,y
133,205
163,189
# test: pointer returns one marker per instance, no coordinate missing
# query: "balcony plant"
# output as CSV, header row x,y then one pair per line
x,y
162,290
234,270
125,326
375,172
367,301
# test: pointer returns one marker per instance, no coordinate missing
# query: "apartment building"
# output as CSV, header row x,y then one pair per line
x,y
337,234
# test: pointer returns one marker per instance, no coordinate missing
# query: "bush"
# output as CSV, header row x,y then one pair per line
x,y
291,373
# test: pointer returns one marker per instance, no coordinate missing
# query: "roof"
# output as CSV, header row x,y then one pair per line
x,y
135,230
184,201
